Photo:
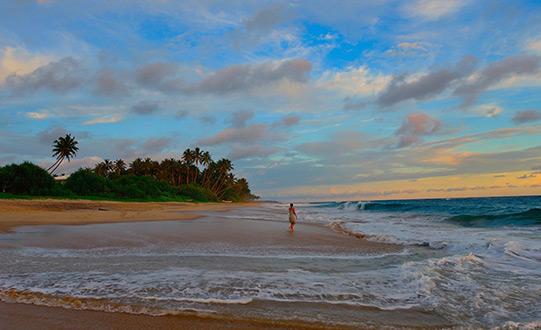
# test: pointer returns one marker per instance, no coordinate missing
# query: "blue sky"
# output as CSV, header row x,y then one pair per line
x,y
311,100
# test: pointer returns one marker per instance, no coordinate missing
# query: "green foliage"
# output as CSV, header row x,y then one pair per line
x,y
194,177
140,187
232,195
209,195
84,183
196,192
25,179
60,190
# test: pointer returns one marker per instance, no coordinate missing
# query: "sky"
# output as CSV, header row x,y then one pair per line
x,y
310,100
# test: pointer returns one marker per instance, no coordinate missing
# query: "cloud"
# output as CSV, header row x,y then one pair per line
x,y
253,151
434,9
340,142
415,126
494,73
207,120
43,114
145,107
526,176
488,110
58,77
410,49
161,76
534,45
526,116
246,134
104,120
156,145
236,78
239,118
260,25
287,121
19,60
433,83
356,81
48,137
73,165
108,83
349,104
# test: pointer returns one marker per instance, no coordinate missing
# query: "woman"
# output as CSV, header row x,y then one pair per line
x,y
292,216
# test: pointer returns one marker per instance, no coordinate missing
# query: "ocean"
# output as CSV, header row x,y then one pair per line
x,y
471,263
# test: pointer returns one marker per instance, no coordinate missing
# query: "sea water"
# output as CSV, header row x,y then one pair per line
x,y
462,263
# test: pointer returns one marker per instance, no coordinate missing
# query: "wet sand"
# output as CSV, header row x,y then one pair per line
x,y
18,212
23,316
242,233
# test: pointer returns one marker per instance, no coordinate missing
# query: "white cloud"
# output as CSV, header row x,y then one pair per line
x,y
20,61
43,114
357,81
488,110
434,9
534,45
104,120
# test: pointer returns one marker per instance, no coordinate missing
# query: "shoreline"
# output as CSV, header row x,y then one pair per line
x,y
21,212
26,315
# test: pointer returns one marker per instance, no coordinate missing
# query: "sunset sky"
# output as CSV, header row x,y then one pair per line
x,y
311,100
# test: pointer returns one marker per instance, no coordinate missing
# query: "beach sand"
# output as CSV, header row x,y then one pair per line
x,y
211,230
21,212
24,316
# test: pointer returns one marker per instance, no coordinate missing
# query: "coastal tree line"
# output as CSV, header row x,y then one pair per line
x,y
195,176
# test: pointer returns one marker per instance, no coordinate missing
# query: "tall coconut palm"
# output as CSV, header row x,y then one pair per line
x,y
206,160
63,147
119,167
223,166
197,155
187,156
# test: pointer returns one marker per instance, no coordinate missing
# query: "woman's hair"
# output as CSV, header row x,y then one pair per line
x,y
291,204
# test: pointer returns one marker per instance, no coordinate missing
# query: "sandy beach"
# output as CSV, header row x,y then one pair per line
x,y
192,266
37,212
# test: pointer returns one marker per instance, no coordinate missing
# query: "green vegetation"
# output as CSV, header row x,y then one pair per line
x,y
143,180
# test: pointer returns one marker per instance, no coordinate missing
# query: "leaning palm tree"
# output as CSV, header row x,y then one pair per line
x,y
63,147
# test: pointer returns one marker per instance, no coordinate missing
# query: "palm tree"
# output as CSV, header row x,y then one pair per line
x,y
136,167
119,167
197,154
63,147
187,156
223,167
147,166
206,160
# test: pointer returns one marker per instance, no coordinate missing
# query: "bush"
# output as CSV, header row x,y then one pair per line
x,y
85,183
232,195
60,190
192,190
211,197
138,187
25,179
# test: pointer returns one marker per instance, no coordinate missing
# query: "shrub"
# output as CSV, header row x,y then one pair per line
x,y
211,197
60,190
232,195
137,187
25,179
85,183
192,190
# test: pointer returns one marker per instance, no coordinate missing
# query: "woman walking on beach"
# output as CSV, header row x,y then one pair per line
x,y
292,216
